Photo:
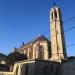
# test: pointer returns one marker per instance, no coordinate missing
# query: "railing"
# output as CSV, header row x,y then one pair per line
x,y
9,73
17,68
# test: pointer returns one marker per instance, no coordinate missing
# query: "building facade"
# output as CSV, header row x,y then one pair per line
x,y
42,48
39,48
57,35
46,57
68,66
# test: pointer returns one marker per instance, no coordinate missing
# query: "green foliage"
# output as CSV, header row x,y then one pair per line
x,y
15,57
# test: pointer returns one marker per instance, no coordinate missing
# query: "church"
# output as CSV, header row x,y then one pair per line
x,y
43,49
46,57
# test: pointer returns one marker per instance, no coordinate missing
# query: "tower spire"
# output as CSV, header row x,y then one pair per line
x,y
57,35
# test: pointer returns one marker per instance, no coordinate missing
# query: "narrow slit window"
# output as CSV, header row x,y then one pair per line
x,y
55,13
52,15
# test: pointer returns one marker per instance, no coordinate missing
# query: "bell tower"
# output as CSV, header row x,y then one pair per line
x,y
57,35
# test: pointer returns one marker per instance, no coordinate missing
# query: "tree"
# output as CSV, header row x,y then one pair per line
x,y
15,57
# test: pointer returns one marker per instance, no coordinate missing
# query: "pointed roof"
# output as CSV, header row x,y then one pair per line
x,y
39,38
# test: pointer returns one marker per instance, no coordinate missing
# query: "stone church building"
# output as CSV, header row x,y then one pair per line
x,y
46,57
39,48
43,49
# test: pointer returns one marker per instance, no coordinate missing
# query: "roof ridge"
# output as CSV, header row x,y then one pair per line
x,y
33,40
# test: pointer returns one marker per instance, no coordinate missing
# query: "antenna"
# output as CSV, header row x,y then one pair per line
x,y
54,3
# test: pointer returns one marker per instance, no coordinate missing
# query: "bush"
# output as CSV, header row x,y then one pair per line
x,y
15,57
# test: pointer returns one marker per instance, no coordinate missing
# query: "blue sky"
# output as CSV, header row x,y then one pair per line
x,y
23,20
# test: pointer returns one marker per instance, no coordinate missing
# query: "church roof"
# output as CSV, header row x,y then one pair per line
x,y
39,38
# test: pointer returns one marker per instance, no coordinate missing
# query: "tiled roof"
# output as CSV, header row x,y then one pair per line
x,y
34,40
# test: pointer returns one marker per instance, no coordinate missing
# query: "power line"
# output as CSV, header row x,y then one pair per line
x,y
71,45
68,2
73,27
69,19
66,30
46,32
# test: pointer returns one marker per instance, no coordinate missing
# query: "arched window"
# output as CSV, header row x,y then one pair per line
x,y
41,48
52,15
36,52
41,52
55,14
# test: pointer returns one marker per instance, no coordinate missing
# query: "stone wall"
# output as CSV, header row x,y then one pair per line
x,y
68,67
9,73
34,67
47,68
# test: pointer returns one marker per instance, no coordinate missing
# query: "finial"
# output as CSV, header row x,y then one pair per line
x,y
54,3
23,43
15,48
